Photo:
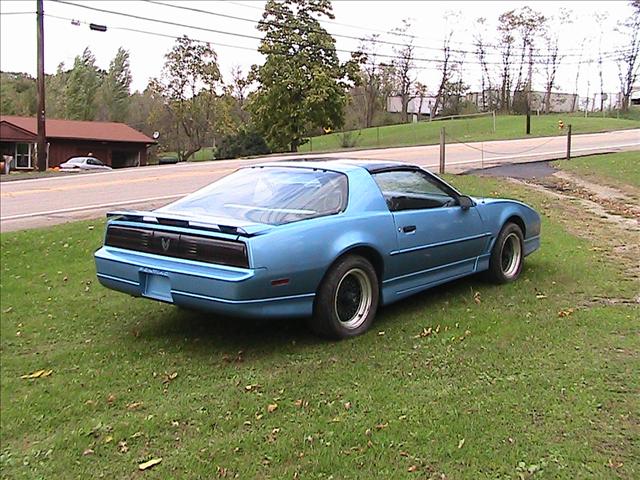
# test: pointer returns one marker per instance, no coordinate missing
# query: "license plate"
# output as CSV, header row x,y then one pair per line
x,y
157,286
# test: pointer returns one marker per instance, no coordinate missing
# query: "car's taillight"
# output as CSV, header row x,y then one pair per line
x,y
179,245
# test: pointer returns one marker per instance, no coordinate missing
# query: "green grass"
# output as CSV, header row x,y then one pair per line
x,y
611,168
506,389
467,130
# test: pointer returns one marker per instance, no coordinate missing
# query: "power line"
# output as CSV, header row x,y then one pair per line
x,y
17,13
399,34
176,37
337,35
254,37
149,32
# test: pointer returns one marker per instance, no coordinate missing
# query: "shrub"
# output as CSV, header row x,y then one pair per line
x,y
242,144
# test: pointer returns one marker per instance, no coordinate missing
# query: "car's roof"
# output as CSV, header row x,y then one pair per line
x,y
340,164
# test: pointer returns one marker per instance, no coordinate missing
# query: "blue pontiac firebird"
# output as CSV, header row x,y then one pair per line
x,y
325,239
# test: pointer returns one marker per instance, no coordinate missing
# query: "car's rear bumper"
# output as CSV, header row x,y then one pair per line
x,y
215,288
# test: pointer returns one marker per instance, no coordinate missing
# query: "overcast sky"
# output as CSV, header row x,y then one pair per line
x,y
430,22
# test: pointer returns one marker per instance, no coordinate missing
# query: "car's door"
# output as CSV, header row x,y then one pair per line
x,y
437,238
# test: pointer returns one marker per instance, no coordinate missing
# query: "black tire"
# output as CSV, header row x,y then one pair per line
x,y
507,255
347,299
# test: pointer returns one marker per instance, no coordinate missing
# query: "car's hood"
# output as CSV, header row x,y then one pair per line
x,y
222,224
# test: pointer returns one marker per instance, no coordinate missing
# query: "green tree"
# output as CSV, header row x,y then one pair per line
x,y
190,78
82,83
55,91
17,94
302,83
113,96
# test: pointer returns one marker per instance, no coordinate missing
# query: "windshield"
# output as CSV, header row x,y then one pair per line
x,y
76,160
271,195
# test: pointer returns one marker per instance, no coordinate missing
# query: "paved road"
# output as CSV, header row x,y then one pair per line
x,y
48,201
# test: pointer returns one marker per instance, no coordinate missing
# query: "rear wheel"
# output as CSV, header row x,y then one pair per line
x,y
507,255
347,299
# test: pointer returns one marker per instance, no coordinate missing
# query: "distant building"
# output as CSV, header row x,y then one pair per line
x,y
559,102
115,144
417,105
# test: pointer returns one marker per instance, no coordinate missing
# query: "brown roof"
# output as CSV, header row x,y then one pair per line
x,y
76,129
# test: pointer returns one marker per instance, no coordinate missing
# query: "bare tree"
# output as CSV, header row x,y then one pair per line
x,y
371,78
628,54
481,53
506,29
404,67
526,23
552,58
446,72
578,67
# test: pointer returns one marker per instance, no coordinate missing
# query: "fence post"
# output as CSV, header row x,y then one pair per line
x,y
311,144
378,136
442,137
569,142
494,121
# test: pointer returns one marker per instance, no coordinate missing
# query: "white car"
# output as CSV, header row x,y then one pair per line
x,y
83,163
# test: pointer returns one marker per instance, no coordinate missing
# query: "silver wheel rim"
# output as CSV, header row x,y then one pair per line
x,y
511,255
353,298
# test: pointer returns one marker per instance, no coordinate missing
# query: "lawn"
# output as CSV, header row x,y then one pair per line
x,y
472,129
527,380
618,168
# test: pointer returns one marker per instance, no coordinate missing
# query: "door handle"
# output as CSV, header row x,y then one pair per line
x,y
409,229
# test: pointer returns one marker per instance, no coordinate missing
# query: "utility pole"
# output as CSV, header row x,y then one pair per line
x,y
529,88
442,147
42,136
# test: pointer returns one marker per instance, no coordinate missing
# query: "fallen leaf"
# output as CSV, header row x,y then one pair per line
x,y
461,443
38,374
272,407
412,468
565,313
134,405
347,405
111,398
88,451
381,333
122,446
380,426
108,439
149,464
540,296
476,298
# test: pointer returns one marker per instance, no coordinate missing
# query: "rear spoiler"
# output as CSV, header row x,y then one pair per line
x,y
195,222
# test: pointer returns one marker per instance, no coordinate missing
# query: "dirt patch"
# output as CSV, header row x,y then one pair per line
x,y
608,218
602,200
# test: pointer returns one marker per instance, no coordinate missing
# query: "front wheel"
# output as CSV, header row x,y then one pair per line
x,y
347,299
507,255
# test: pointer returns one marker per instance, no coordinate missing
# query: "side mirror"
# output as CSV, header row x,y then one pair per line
x,y
465,202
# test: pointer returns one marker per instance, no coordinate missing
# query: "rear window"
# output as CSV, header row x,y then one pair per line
x,y
270,195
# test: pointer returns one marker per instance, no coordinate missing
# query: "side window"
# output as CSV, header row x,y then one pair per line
x,y
91,161
411,190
